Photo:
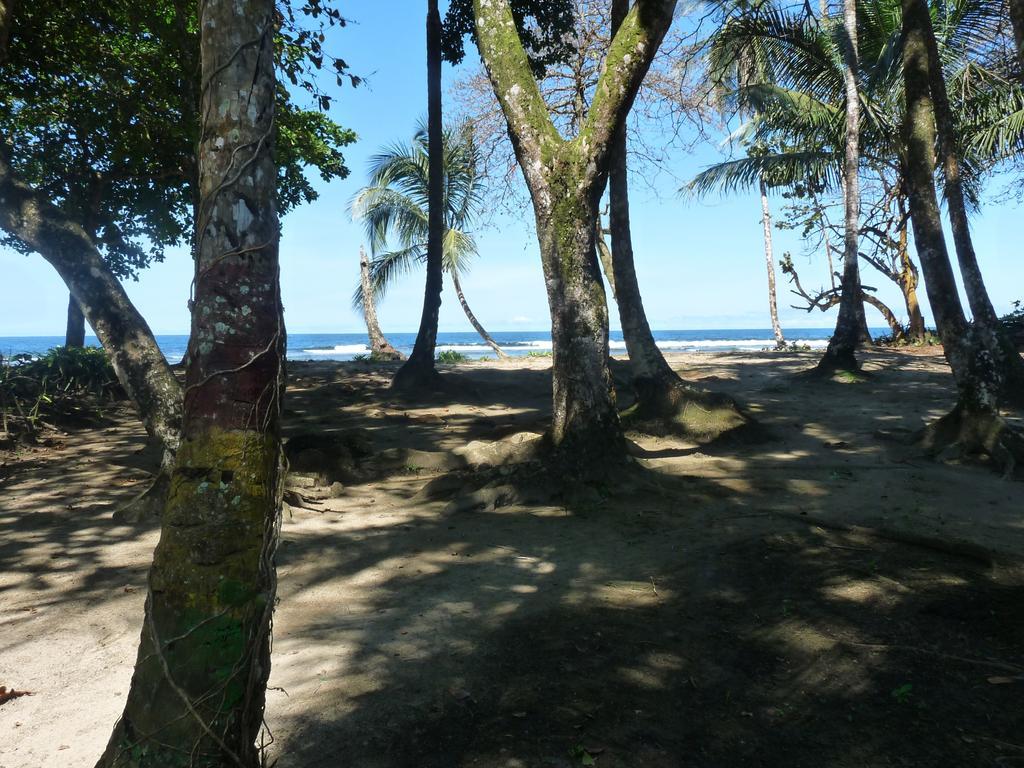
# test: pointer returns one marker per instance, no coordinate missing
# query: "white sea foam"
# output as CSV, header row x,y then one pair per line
x,y
340,349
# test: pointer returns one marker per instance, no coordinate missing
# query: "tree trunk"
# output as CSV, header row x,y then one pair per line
x,y
908,282
986,321
605,255
197,694
1017,20
664,401
380,347
419,371
472,318
137,360
773,303
851,325
566,179
974,425
585,426
74,335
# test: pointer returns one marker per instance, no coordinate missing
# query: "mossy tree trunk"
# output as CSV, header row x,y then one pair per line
x,y
197,694
472,318
851,325
379,345
985,320
419,371
74,333
566,179
974,425
769,257
138,362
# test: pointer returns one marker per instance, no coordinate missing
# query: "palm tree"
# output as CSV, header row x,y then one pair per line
x,y
798,102
394,209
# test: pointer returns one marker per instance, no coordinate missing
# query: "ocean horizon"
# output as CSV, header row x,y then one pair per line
x,y
346,346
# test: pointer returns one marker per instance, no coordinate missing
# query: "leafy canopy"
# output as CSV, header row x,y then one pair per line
x,y
98,109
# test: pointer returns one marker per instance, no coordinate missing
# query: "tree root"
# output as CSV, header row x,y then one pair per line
x,y
967,433
414,378
673,407
148,505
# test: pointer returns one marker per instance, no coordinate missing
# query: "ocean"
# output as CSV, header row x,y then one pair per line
x,y
345,346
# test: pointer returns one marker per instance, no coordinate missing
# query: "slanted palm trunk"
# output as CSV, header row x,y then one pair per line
x,y
137,360
773,302
197,694
380,347
985,319
472,318
974,425
908,282
851,325
566,179
74,334
419,370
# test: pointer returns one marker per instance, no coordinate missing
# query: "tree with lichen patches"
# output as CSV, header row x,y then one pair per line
x,y
566,179
197,694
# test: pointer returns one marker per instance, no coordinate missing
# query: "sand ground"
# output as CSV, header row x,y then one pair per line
x,y
826,598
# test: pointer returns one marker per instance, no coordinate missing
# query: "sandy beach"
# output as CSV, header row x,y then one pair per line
x,y
827,596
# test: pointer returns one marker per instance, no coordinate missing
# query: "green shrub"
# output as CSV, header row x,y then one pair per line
x,y
451,356
539,353
52,385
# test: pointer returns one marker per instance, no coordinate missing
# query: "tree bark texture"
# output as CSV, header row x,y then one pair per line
x,y
137,360
909,280
985,320
419,370
472,318
197,694
380,347
74,334
851,325
773,302
566,179
976,376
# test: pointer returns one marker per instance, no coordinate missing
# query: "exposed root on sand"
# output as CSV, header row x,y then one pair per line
x,y
968,433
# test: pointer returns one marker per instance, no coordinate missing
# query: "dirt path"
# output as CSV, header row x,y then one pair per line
x,y
698,617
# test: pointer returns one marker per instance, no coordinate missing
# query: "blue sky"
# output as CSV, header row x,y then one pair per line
x,y
700,263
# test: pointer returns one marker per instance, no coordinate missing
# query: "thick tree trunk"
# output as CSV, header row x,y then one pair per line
x,y
585,427
74,334
197,694
137,360
773,302
986,321
566,179
380,347
974,425
472,318
419,371
851,325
